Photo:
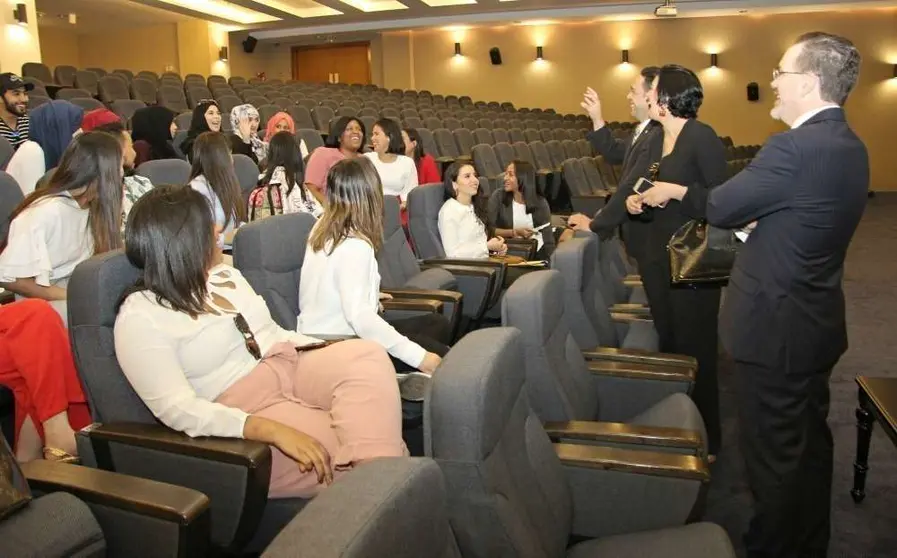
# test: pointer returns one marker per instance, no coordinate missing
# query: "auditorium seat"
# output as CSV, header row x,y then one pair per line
x,y
112,89
464,140
148,75
86,103
445,142
65,75
582,197
88,81
127,75
513,493
100,72
125,108
166,171
70,93
196,93
247,174
38,71
172,97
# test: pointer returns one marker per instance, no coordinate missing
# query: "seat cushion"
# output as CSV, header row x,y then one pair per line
x,y
57,524
432,279
638,296
641,335
698,540
675,411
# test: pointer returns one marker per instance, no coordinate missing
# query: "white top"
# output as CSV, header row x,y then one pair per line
x,y
293,203
398,178
339,295
462,234
524,220
27,166
640,128
810,114
179,365
47,241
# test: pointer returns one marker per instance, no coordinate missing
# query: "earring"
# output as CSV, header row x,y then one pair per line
x,y
663,112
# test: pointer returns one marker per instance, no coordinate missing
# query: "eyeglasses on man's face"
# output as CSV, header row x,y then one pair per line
x,y
777,72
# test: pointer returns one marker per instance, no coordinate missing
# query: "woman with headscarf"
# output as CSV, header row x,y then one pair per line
x,y
206,118
244,120
51,129
283,122
153,129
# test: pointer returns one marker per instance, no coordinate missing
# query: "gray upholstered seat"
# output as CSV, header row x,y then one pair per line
x,y
165,171
512,493
6,152
247,173
559,381
10,198
112,89
394,507
144,90
57,524
125,108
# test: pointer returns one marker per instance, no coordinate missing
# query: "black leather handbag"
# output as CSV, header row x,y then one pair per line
x,y
700,253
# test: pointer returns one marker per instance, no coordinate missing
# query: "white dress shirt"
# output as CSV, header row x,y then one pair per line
x,y
810,114
179,365
639,129
398,178
463,234
339,295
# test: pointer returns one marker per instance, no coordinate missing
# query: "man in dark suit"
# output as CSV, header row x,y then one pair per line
x,y
635,153
783,318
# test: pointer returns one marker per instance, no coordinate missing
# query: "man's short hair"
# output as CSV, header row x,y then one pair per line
x,y
834,60
648,74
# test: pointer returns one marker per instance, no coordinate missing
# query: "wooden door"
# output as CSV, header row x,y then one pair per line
x,y
348,63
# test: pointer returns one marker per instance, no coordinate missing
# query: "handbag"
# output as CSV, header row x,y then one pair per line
x,y
14,491
700,253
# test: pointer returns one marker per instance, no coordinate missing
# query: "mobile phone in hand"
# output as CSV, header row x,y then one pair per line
x,y
642,186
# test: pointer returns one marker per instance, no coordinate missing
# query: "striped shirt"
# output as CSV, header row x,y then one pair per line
x,y
18,136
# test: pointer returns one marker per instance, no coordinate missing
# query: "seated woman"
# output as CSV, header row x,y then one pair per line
x,y
153,129
77,215
517,210
463,219
398,175
285,168
339,289
283,122
36,364
213,176
206,118
427,171
244,140
200,348
346,139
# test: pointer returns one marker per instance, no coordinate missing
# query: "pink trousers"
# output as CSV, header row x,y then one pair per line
x,y
345,396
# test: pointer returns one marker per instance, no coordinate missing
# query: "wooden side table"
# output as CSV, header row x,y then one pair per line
x,y
877,402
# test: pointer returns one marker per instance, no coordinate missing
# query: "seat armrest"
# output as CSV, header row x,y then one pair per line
x,y
675,465
523,247
472,262
640,356
452,302
633,280
413,305
636,370
599,194
628,317
629,308
479,281
626,434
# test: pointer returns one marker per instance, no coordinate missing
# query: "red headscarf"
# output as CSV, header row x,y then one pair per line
x,y
97,118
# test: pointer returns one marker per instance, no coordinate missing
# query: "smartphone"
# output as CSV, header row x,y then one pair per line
x,y
540,227
642,186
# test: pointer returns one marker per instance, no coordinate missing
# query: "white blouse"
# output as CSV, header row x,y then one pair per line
x,y
179,365
463,234
398,178
46,242
339,295
293,202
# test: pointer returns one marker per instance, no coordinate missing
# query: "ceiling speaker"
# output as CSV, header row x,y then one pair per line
x,y
249,44
495,56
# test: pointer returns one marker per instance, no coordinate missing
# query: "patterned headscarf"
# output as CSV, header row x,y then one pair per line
x,y
237,114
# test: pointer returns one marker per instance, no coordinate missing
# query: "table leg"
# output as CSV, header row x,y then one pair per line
x,y
864,435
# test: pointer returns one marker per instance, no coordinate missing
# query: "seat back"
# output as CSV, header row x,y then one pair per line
x,y
557,377
507,492
593,178
126,75
87,104
269,253
505,154
165,171
38,71
445,141
65,75
424,203
94,290
483,135
71,93
172,96
125,108
430,147
486,162
541,158
6,152
112,89
87,81
10,198
144,90
500,135
247,173
396,260
464,140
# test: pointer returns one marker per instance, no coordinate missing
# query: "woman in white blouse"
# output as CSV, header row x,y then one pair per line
x,y
200,348
213,176
398,173
77,215
339,289
285,169
463,217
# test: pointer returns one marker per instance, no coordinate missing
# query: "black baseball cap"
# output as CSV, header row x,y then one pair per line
x,y
10,82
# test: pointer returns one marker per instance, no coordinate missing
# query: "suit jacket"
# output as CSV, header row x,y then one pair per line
x,y
806,188
635,157
502,216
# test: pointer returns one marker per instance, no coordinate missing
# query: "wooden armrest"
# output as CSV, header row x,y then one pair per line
x,y
640,356
520,241
414,294
418,305
642,371
621,433
463,262
630,318
642,462
601,194
634,277
630,308
149,498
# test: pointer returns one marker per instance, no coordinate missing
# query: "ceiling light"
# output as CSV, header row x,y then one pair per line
x,y
20,14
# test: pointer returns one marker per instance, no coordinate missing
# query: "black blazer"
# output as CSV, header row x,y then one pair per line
x,y
806,188
502,216
636,158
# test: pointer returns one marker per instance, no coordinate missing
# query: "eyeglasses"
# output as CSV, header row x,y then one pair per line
x,y
777,72
248,338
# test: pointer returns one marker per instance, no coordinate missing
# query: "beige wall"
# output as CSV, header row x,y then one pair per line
x,y
274,60
59,46
579,55
18,43
153,47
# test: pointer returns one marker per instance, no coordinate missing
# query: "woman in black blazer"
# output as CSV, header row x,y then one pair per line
x,y
517,209
692,162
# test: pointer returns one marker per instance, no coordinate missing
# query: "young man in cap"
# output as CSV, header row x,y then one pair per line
x,y
14,109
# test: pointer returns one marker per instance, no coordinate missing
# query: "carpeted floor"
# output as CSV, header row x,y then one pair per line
x,y
863,530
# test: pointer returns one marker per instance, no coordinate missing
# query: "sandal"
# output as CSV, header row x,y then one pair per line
x,y
60,456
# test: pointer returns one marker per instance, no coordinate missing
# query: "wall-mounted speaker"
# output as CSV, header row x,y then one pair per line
x,y
495,56
249,44
753,91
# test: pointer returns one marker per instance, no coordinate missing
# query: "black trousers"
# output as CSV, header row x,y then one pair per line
x,y
686,320
788,449
430,331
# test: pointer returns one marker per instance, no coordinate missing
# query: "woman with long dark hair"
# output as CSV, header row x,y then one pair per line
x,y
346,140
517,210
76,215
152,130
398,174
213,176
427,171
201,349
285,169
693,161
464,219
206,118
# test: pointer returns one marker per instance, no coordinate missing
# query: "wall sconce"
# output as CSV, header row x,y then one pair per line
x,y
222,54
20,14
895,71
539,53
714,60
457,49
624,57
